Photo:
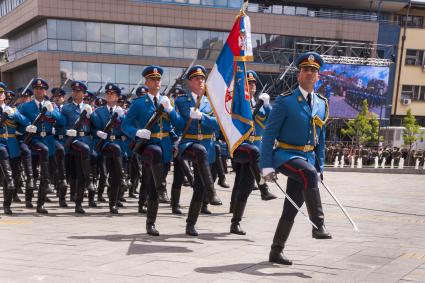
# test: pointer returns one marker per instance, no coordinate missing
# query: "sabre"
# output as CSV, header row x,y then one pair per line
x,y
294,204
340,206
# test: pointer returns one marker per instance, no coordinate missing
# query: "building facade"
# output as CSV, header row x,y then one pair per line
x,y
409,89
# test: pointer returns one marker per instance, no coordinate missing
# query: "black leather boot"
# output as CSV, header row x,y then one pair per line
x,y
265,193
160,184
184,165
315,213
175,200
92,203
204,208
208,183
238,212
280,237
43,188
62,189
220,172
151,218
8,185
28,197
192,218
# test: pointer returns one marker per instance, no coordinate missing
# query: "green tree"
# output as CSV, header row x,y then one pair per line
x,y
364,128
411,129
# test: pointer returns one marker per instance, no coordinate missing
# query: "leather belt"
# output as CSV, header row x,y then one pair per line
x,y
44,134
254,138
60,137
198,137
82,134
160,135
5,136
304,148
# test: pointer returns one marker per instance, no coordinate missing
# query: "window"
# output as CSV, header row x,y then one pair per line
x,y
412,21
107,32
51,29
163,37
135,35
94,72
121,33
149,35
78,31
414,57
93,31
63,29
414,92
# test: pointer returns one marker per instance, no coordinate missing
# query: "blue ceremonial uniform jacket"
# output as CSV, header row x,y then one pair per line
x,y
260,123
60,130
30,111
141,110
207,126
100,118
291,121
70,114
8,132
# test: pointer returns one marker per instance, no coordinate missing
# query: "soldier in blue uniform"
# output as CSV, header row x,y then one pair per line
x,y
296,126
58,171
156,154
82,154
43,142
114,145
197,144
9,149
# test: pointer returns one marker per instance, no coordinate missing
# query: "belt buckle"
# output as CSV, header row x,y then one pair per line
x,y
112,137
43,134
81,134
60,137
306,148
251,138
200,137
123,138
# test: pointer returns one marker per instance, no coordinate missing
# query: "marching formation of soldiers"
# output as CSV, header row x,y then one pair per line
x,y
86,145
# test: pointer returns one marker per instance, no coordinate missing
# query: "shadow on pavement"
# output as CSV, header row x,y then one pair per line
x,y
251,269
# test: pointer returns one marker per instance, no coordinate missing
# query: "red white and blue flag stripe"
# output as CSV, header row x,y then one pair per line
x,y
227,85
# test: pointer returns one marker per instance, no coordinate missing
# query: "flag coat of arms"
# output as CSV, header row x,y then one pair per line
x,y
227,85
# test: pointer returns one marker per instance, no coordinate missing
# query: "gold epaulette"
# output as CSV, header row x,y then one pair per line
x,y
286,93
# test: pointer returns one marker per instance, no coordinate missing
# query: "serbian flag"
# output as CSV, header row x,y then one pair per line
x,y
227,87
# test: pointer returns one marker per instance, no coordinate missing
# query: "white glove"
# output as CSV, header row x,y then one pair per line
x,y
119,110
71,133
9,111
143,134
53,131
269,174
195,114
31,129
102,135
165,101
88,109
265,98
49,106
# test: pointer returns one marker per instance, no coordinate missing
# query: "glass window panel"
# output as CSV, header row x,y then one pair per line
x,y
108,73
189,53
135,35
79,46
235,3
125,88
108,48
176,52
136,73
63,29
94,72
189,38
52,44
149,36
79,71
121,33
94,87
135,50
93,31
208,2
149,51
180,1
51,28
122,73
163,52
163,37
203,38
176,38
93,47
64,45
107,32
165,80
121,49
78,31
66,69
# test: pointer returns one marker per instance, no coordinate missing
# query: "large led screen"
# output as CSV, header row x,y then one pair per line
x,y
346,86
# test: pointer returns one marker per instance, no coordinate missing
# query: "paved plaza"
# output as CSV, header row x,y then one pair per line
x,y
98,247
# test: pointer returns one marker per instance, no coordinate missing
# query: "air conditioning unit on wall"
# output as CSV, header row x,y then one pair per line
x,y
406,101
